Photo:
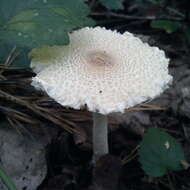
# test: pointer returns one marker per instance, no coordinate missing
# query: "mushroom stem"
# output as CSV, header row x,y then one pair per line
x,y
100,135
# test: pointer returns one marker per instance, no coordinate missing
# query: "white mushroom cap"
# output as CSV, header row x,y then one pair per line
x,y
102,69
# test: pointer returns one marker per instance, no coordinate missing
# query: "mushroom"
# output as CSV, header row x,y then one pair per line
x,y
105,71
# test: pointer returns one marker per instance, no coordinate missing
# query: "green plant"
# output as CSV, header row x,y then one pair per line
x,y
112,4
170,27
36,23
6,180
160,153
167,25
44,22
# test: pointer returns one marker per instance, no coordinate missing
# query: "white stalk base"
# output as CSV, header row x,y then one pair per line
x,y
100,135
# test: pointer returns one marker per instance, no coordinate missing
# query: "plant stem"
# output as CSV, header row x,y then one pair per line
x,y
6,180
100,135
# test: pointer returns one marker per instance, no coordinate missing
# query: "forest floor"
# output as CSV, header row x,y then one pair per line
x,y
69,155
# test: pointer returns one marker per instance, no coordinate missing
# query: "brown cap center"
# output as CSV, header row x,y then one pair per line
x,y
99,58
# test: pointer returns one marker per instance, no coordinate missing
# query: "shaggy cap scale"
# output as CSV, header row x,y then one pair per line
x,y
103,69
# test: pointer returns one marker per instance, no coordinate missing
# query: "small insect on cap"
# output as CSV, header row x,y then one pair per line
x,y
102,69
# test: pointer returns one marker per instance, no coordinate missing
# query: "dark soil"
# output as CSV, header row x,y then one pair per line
x,y
69,160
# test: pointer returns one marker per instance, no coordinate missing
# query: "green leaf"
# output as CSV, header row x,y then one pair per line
x,y
187,33
167,25
6,180
33,23
160,153
1,22
113,4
